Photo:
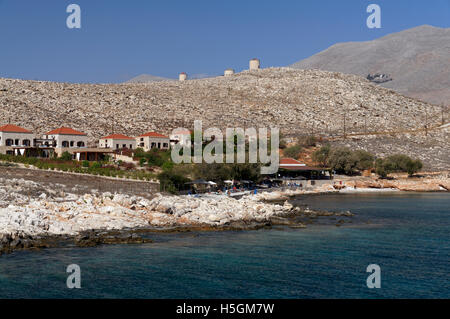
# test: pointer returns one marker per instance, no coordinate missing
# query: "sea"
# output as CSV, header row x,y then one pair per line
x,y
406,234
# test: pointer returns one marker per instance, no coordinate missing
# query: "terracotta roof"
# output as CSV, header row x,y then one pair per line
x,y
303,168
181,132
65,131
13,129
294,165
118,137
290,162
153,134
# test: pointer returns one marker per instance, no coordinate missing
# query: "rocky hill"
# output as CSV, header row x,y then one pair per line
x,y
299,102
147,78
414,62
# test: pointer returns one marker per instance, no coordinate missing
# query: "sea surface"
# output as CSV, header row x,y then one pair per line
x,y
406,234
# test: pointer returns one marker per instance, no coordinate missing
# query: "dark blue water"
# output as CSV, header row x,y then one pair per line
x,y
407,235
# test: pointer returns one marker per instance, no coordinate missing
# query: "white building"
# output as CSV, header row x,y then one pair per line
x,y
228,72
15,136
66,137
180,136
117,141
182,76
254,64
153,140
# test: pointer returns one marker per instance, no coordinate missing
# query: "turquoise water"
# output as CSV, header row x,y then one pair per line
x,y
406,234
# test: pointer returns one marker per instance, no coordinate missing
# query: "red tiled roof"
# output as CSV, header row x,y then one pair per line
x,y
302,168
181,132
294,165
153,134
13,129
290,161
65,131
118,137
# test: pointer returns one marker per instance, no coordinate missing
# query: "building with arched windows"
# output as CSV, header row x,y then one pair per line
x,y
13,136
153,140
67,139
117,142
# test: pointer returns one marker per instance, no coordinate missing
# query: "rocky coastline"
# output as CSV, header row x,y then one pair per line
x,y
36,215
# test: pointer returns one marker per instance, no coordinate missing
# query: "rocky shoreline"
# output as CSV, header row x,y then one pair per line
x,y
36,215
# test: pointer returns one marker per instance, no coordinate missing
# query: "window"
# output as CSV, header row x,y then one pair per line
x,y
65,144
131,146
165,145
117,146
9,142
72,143
16,142
124,145
80,144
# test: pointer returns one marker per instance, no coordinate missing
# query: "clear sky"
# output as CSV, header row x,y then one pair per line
x,y
121,39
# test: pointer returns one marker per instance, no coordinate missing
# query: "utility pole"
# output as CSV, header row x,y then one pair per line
x,y
426,121
345,133
365,124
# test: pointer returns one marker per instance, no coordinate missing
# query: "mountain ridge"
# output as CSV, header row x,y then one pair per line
x,y
418,59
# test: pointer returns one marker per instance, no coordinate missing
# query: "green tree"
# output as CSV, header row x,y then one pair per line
x,y
322,154
343,161
414,166
397,163
365,160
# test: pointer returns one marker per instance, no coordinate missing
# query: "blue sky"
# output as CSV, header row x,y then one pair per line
x,y
122,39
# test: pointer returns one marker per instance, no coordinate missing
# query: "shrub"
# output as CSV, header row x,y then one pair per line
x,y
309,141
293,151
167,166
171,181
66,156
96,165
397,163
85,164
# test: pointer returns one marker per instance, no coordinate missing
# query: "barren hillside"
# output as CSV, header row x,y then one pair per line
x,y
417,61
297,101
